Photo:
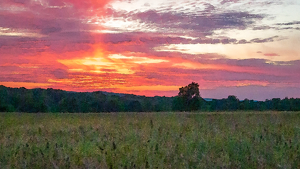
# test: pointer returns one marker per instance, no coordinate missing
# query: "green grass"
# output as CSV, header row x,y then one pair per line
x,y
150,140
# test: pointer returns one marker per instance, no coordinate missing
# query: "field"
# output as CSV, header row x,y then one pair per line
x,y
150,140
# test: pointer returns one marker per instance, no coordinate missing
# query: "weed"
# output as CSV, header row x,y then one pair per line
x,y
150,140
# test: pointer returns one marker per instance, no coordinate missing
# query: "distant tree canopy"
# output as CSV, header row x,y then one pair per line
x,y
188,99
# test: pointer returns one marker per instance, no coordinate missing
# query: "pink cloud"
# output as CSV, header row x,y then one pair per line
x,y
271,54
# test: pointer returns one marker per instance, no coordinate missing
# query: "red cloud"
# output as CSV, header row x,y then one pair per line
x,y
94,4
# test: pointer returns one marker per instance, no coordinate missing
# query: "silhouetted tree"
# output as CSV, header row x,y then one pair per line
x,y
285,105
178,104
232,103
275,103
188,98
112,106
147,105
134,106
245,105
190,91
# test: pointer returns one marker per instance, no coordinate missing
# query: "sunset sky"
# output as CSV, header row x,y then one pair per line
x,y
247,48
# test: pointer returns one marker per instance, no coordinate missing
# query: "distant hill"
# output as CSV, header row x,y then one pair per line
x,y
56,100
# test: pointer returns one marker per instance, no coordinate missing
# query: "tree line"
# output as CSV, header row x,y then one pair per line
x,y
188,99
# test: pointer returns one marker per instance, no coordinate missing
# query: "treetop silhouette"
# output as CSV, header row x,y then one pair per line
x,y
189,92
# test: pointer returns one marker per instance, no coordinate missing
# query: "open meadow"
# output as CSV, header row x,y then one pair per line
x,y
150,140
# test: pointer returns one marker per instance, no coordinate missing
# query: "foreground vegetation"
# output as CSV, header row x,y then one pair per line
x,y
150,140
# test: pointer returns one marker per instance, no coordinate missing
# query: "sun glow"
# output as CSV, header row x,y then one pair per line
x,y
97,62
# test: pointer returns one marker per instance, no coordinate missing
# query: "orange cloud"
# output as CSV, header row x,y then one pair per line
x,y
125,72
134,72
